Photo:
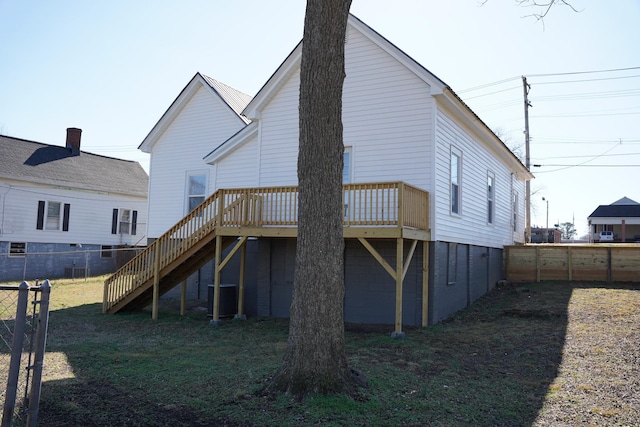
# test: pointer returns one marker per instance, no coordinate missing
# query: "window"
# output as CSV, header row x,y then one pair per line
x,y
106,251
491,181
53,216
515,211
196,190
124,221
17,249
456,166
346,167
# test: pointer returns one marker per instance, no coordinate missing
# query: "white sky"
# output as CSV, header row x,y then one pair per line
x,y
113,68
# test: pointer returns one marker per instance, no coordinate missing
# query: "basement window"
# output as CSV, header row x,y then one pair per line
x,y
106,251
17,249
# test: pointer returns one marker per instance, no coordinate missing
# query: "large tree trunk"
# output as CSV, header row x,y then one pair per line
x,y
315,359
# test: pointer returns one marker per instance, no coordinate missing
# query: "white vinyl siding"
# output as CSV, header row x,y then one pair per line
x,y
386,115
240,168
471,227
203,124
89,219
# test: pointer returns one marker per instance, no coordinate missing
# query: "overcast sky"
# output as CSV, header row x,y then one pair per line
x,y
112,69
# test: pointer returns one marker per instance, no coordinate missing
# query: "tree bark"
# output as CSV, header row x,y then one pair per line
x,y
315,360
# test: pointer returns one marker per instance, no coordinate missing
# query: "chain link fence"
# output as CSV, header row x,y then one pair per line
x,y
24,316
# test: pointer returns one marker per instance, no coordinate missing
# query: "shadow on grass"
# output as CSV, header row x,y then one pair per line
x,y
494,364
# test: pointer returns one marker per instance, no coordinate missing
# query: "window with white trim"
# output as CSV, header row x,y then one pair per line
x,y
515,211
491,190
124,221
346,167
196,189
53,215
455,173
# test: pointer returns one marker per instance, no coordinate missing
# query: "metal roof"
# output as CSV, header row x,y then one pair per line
x,y
233,97
36,162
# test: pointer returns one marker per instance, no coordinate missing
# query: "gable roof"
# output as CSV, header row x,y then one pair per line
x,y
623,208
439,89
232,98
35,162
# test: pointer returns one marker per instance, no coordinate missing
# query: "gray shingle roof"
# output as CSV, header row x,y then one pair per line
x,y
616,211
42,163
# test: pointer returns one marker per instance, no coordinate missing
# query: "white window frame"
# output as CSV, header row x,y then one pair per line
x,y
514,199
455,152
48,220
124,220
347,167
187,189
491,198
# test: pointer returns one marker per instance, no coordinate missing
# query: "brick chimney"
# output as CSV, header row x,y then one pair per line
x,y
73,140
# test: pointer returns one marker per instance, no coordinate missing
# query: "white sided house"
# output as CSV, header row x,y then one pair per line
x,y
65,212
417,160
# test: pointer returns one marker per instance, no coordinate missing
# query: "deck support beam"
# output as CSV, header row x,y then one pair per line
x,y
183,298
216,282
243,257
425,284
398,274
156,284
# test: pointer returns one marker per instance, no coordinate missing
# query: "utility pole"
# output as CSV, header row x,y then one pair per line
x,y
526,87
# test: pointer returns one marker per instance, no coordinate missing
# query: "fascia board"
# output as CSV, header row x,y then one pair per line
x,y
172,112
275,82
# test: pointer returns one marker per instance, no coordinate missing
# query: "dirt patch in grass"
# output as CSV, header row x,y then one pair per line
x,y
548,354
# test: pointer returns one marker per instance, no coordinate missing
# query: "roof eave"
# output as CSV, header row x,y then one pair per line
x,y
450,99
232,143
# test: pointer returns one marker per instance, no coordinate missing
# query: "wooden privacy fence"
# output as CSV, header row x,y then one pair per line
x,y
596,262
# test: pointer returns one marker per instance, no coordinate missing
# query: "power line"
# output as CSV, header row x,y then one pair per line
x,y
588,80
612,70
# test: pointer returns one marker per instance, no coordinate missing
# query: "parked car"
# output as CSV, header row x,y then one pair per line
x,y
606,236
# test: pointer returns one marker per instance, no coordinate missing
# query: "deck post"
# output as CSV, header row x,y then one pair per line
x,y
156,283
425,283
183,298
243,256
216,283
397,333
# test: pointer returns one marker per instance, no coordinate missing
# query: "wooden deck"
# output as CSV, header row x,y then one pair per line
x,y
391,210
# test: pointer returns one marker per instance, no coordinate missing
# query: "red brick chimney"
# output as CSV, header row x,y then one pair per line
x,y
73,140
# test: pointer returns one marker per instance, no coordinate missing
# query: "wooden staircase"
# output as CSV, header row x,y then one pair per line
x,y
179,252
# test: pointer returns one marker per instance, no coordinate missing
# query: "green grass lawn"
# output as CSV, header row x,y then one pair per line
x,y
546,354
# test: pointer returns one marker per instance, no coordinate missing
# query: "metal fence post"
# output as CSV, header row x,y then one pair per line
x,y
16,354
41,343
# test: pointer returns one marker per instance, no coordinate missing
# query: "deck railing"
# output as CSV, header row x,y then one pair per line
x,y
365,205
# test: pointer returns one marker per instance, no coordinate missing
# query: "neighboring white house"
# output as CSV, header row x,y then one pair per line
x,y
63,210
401,123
